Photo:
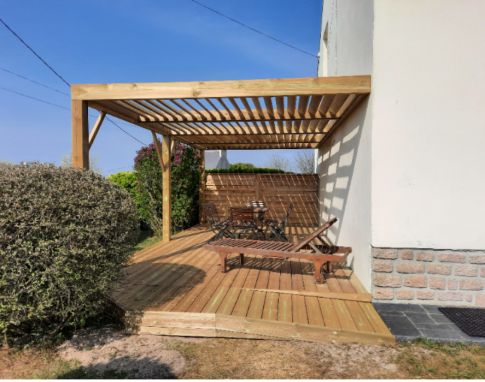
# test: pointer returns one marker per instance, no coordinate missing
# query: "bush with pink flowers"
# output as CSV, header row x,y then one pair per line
x,y
185,186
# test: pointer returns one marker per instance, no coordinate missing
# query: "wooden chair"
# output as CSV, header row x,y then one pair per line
x,y
219,226
313,247
277,228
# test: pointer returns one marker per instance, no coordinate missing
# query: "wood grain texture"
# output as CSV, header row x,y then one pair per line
x,y
80,134
290,113
95,130
217,89
166,189
177,288
276,190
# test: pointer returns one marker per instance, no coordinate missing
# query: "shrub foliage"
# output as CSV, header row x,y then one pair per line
x,y
244,168
127,180
64,236
185,186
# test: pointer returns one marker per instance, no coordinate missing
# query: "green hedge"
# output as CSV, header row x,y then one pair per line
x,y
127,181
64,237
245,168
255,170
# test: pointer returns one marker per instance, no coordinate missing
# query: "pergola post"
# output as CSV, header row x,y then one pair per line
x,y
80,134
201,183
166,189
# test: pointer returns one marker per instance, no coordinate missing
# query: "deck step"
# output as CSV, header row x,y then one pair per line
x,y
220,325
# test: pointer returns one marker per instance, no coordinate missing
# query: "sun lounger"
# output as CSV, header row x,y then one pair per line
x,y
314,247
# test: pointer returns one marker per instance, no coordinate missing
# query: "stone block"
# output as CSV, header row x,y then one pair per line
x,y
466,270
409,267
382,266
424,256
437,282
452,257
385,253
415,281
383,293
405,294
439,269
386,280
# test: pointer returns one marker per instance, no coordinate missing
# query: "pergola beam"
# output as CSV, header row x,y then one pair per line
x,y
220,89
255,146
225,116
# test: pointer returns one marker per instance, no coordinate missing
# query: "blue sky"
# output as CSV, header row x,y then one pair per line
x,y
99,41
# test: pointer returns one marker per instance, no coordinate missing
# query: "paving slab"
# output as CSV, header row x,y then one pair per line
x,y
414,321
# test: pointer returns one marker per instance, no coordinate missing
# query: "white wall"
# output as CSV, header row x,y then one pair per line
x,y
344,161
349,32
428,129
216,159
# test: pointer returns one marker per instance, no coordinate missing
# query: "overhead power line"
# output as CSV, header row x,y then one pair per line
x,y
55,73
126,132
260,32
33,52
64,108
33,98
11,72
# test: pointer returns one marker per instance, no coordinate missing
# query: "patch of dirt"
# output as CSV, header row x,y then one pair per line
x,y
107,352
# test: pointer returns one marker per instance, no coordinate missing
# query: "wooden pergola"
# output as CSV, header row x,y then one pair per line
x,y
294,113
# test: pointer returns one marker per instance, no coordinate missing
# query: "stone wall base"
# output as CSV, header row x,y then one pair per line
x,y
428,276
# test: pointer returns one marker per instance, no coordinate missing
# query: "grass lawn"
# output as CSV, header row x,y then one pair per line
x,y
237,358
145,240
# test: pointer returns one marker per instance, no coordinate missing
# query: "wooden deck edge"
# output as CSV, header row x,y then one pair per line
x,y
219,325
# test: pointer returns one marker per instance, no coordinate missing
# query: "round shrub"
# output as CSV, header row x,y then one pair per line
x,y
64,237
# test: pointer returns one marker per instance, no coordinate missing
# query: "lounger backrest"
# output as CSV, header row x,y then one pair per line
x,y
314,235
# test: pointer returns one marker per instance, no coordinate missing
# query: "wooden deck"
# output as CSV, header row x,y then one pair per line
x,y
177,288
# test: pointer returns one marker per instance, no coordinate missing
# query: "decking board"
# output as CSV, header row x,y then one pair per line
x,y
183,281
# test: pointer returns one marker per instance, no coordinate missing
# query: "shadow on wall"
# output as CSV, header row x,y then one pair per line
x,y
336,166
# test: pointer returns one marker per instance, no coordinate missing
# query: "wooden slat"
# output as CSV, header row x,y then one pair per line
x,y
219,325
315,107
359,297
256,306
174,282
299,309
244,88
285,310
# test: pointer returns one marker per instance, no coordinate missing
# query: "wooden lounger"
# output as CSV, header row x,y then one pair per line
x,y
313,247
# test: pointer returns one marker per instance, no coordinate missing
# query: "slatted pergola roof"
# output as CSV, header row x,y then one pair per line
x,y
291,113
254,114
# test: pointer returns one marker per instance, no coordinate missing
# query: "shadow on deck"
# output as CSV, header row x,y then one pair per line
x,y
177,288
